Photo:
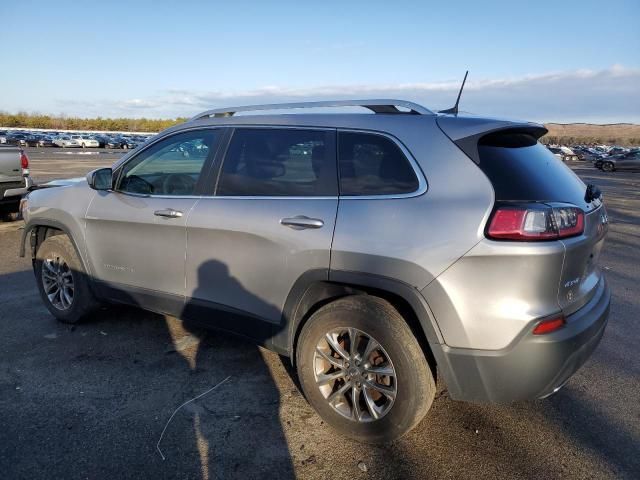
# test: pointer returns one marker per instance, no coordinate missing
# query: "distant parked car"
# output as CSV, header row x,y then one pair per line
x,y
617,151
30,140
14,138
564,153
66,141
115,142
101,139
85,141
131,143
569,154
22,139
622,161
589,154
126,143
46,141
557,152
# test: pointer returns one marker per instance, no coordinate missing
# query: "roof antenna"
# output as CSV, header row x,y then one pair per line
x,y
454,109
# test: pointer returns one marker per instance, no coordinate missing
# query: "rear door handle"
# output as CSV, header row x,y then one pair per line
x,y
300,222
168,213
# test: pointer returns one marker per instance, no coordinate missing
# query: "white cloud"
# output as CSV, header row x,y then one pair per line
x,y
139,103
609,95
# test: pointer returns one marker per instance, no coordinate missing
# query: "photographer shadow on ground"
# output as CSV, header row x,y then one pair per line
x,y
235,430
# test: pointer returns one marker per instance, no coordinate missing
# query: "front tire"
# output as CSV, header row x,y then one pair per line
x,y
608,167
363,371
62,281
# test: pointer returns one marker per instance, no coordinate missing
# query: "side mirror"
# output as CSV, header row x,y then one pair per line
x,y
100,179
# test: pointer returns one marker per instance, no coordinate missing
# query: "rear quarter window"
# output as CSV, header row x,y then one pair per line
x,y
372,164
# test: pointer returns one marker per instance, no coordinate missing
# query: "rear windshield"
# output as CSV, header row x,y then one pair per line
x,y
522,169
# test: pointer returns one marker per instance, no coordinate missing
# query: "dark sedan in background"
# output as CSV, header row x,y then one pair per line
x,y
622,161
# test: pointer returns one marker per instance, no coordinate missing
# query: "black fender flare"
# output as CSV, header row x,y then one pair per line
x,y
317,287
37,223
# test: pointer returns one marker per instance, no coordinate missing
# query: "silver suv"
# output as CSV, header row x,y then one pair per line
x,y
377,250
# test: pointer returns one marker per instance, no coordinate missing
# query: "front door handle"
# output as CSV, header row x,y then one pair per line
x,y
168,213
300,222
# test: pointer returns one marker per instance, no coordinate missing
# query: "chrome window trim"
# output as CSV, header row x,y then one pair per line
x,y
141,195
422,182
271,197
423,185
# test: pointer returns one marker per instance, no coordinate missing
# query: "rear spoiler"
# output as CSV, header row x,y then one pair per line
x,y
465,132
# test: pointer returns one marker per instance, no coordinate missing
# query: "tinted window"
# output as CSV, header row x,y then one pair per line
x,y
522,169
373,165
279,162
170,167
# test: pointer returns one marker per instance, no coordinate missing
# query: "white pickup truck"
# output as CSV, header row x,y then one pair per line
x,y
14,180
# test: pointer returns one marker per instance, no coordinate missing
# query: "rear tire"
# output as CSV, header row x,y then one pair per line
x,y
608,167
389,404
62,281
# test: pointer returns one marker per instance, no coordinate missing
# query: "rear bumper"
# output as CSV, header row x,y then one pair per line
x,y
533,366
14,194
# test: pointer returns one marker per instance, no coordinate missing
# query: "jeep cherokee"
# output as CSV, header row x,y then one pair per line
x,y
378,250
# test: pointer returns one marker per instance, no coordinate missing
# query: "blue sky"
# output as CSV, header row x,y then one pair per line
x,y
545,61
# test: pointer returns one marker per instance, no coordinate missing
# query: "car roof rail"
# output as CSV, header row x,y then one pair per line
x,y
376,106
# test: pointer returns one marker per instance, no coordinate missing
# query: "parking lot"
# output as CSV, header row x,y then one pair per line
x,y
91,401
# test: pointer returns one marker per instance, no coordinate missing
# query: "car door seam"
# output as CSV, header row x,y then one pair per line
x,y
89,266
186,243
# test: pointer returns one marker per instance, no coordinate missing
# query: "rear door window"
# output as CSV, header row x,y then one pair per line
x,y
371,164
522,169
279,162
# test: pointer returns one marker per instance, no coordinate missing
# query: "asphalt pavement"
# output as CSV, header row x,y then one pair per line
x,y
91,401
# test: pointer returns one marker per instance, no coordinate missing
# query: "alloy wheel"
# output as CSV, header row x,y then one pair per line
x,y
57,281
355,374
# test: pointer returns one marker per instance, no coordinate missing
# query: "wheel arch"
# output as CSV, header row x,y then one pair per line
x,y
407,300
38,231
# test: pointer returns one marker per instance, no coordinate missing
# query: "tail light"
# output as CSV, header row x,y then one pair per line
x,y
549,325
24,163
535,222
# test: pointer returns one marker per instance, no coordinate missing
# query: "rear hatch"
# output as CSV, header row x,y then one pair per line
x,y
523,171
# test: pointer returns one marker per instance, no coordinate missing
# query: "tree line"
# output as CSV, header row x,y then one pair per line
x,y
589,140
27,120
63,122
